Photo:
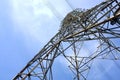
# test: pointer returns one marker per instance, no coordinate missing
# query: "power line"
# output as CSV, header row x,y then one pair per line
x,y
53,9
69,4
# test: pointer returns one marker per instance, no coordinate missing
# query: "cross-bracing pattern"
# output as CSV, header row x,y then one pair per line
x,y
99,25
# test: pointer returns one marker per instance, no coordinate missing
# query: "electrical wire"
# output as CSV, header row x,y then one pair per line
x,y
54,10
69,4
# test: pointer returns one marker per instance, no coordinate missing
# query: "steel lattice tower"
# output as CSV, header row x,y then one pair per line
x,y
100,25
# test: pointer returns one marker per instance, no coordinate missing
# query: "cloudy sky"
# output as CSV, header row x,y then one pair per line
x,y
27,25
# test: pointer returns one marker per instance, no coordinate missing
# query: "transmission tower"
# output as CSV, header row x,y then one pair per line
x,y
100,25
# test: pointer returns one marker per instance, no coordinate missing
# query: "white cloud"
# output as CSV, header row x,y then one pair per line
x,y
33,19
37,19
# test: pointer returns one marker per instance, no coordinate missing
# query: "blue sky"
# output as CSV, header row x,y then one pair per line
x,y
26,26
